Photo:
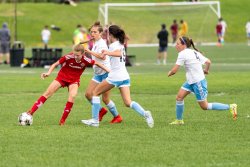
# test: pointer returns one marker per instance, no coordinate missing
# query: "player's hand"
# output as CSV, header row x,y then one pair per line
x,y
105,52
44,75
103,56
87,50
169,73
206,72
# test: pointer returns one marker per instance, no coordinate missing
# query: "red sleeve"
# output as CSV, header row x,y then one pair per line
x,y
89,61
62,59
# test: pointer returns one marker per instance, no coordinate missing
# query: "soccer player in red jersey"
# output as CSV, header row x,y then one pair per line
x,y
73,64
219,33
174,30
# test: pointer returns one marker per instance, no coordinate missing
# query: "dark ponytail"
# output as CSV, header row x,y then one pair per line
x,y
118,33
188,42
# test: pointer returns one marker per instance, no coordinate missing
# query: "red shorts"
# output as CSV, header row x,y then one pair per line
x,y
65,83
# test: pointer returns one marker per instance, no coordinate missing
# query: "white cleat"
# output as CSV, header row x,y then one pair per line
x,y
91,122
149,119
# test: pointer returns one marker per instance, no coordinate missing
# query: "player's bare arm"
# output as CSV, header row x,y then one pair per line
x,y
52,67
115,53
173,70
98,55
207,66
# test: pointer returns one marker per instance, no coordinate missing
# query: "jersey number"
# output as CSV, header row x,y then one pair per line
x,y
123,57
197,57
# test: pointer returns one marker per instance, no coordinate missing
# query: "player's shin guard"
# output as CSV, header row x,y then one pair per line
x,y
112,108
66,112
218,106
37,105
179,109
96,106
138,108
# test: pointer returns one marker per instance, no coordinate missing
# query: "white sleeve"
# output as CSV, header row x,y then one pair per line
x,y
202,58
101,47
180,60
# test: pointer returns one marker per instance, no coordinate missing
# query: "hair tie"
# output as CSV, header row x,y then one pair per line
x,y
183,41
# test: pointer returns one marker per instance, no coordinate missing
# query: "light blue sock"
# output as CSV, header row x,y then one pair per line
x,y
135,106
112,108
218,106
179,109
96,106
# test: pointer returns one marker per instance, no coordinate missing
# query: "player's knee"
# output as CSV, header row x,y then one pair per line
x,y
203,107
105,100
88,95
127,103
95,93
178,98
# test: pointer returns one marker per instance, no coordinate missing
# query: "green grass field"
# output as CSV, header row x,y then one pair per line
x,y
141,26
208,138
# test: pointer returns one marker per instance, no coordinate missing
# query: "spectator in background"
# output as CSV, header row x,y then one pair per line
x,y
183,28
83,36
5,44
68,2
219,33
105,33
174,30
248,32
163,44
224,27
76,33
45,36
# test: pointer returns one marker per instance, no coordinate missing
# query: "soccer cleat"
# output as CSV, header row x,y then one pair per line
x,y
233,110
149,119
117,119
102,112
91,122
177,122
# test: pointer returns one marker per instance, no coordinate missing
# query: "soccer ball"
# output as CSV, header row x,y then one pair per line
x,y
25,119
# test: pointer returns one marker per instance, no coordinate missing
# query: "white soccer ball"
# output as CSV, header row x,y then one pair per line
x,y
25,119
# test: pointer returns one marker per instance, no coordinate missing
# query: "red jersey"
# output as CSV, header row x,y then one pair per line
x,y
219,28
71,70
174,29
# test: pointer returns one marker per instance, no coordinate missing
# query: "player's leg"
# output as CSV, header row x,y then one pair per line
x,y
89,92
179,108
1,53
165,54
112,108
219,106
7,55
125,93
53,87
96,103
159,55
73,88
200,91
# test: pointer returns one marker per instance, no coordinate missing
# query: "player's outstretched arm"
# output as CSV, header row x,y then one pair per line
x,y
98,55
207,66
52,67
115,53
173,70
